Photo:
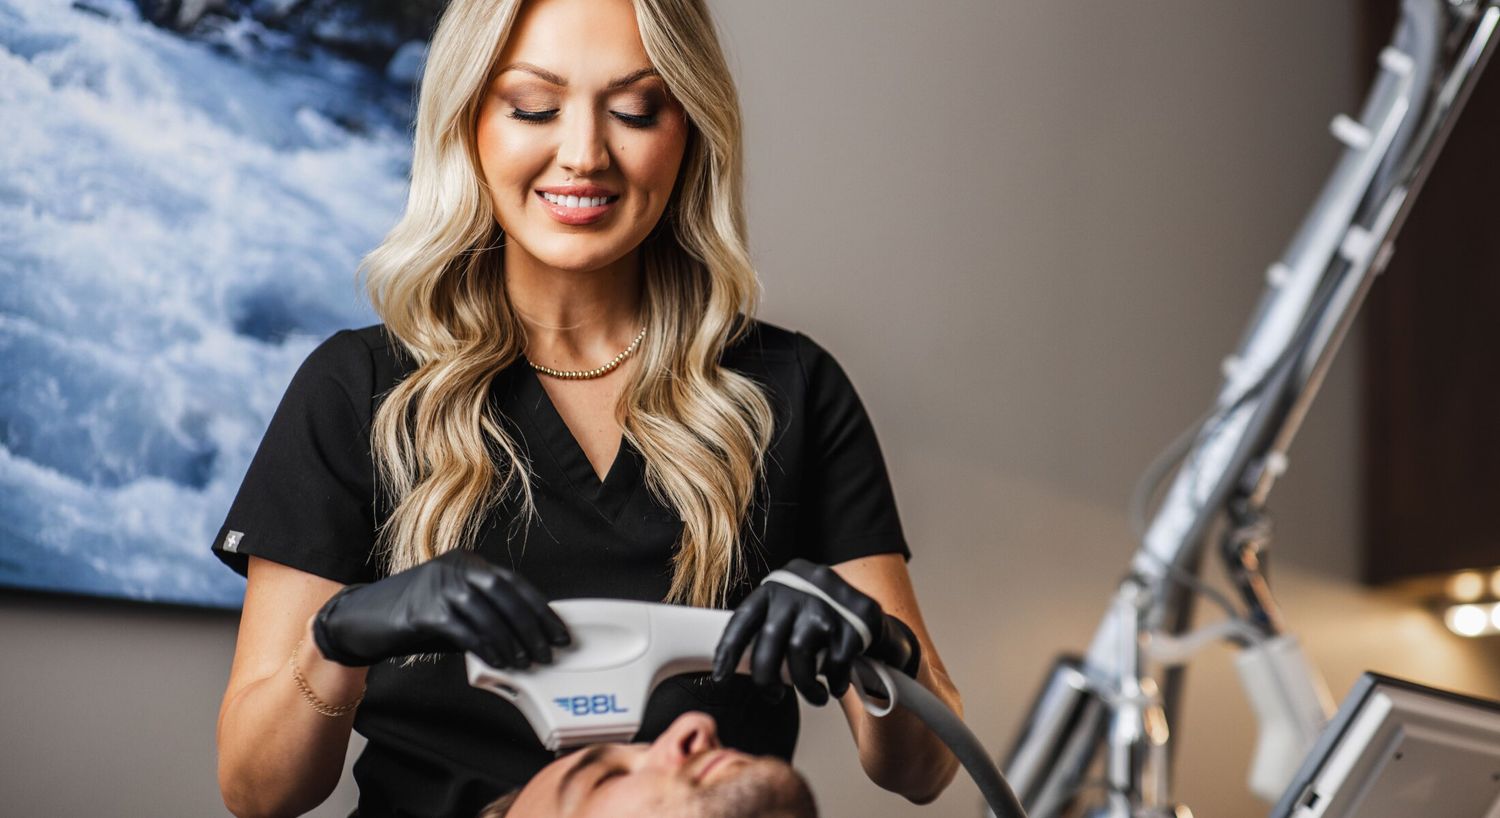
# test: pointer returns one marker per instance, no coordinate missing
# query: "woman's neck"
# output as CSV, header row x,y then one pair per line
x,y
574,319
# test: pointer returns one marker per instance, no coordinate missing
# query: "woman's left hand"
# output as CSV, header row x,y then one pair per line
x,y
806,616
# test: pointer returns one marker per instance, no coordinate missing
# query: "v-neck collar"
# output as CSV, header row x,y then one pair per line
x,y
623,477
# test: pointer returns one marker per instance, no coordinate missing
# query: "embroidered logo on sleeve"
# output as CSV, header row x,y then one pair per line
x,y
232,541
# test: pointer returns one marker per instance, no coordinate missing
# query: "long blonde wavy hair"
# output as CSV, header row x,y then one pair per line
x,y
443,457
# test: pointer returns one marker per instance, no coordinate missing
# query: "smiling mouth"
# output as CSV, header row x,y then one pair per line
x,y
577,210
577,202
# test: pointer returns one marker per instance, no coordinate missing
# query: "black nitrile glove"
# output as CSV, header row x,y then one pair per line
x,y
458,601
791,620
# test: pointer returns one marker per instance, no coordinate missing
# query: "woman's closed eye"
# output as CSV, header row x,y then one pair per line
x,y
630,120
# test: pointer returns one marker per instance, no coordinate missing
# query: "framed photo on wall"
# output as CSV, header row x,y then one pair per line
x,y
186,191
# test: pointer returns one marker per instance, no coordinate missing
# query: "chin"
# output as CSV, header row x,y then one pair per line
x,y
579,254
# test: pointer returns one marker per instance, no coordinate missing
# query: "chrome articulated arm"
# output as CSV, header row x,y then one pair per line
x,y
1123,692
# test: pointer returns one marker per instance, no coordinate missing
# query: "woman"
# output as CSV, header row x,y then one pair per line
x,y
566,398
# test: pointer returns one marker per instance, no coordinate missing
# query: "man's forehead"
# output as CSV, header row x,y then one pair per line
x,y
539,795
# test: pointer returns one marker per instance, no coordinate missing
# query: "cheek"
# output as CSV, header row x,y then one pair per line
x,y
654,161
508,155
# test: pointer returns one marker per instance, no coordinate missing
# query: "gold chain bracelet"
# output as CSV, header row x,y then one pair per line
x,y
332,711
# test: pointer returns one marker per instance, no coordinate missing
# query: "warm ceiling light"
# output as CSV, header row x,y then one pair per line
x,y
1467,620
1466,587
1495,584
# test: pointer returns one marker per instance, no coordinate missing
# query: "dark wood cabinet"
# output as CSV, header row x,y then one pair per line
x,y
1431,359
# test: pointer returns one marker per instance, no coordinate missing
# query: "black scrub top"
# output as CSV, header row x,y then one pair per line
x,y
438,747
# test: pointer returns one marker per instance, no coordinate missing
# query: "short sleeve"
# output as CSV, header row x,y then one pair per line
x,y
848,507
307,500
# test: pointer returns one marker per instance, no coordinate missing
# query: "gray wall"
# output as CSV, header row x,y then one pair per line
x,y
1029,230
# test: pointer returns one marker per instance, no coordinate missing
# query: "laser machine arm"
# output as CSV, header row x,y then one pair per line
x,y
1116,701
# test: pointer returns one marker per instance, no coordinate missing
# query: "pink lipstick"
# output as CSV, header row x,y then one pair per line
x,y
577,204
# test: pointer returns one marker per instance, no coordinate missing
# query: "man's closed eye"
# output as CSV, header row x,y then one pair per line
x,y
617,772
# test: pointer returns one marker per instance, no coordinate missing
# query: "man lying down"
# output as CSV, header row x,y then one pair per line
x,y
684,773
803,619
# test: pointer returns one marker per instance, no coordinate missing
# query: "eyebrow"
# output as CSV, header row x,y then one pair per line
x,y
555,79
586,758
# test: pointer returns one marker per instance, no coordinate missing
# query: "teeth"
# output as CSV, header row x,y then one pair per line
x,y
576,201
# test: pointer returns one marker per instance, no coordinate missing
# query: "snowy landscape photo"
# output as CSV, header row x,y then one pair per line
x,y
186,190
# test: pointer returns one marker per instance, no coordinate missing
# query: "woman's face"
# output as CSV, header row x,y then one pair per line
x,y
579,140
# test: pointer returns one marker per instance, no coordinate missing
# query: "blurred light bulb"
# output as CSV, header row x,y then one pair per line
x,y
1466,587
1467,620
1495,617
1495,584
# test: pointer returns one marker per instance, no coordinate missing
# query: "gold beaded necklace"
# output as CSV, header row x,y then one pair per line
x,y
584,374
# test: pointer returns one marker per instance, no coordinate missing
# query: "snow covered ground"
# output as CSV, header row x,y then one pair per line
x,y
180,221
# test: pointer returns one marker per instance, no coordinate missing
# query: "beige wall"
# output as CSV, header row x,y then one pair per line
x,y
1029,230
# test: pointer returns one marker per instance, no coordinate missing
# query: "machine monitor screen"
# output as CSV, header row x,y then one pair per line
x,y
1397,749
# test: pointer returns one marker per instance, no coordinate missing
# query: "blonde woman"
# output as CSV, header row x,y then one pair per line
x,y
567,397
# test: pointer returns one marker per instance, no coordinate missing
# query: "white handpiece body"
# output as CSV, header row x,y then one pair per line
x,y
596,689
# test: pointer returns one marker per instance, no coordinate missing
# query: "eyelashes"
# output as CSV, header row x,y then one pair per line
x,y
629,120
609,776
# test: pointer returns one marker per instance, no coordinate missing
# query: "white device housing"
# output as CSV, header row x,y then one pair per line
x,y
1291,705
597,687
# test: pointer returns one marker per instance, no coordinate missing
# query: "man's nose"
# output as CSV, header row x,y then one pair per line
x,y
584,150
690,735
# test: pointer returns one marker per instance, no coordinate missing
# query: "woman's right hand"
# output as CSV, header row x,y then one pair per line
x,y
458,601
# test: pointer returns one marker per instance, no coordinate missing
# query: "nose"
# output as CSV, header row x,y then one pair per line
x,y
690,735
583,150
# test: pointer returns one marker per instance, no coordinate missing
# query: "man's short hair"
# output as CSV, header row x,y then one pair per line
x,y
500,807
